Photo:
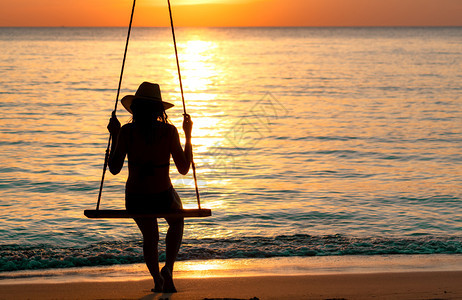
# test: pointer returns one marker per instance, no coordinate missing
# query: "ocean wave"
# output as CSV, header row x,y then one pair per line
x,y
17,257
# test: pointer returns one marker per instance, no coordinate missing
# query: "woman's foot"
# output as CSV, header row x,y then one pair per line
x,y
158,285
157,289
169,287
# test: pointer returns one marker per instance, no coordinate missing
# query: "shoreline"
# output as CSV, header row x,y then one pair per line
x,y
245,267
434,276
405,285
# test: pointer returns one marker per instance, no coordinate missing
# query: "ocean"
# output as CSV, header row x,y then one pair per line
x,y
309,142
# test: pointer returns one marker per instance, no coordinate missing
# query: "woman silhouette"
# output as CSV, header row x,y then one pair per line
x,y
148,141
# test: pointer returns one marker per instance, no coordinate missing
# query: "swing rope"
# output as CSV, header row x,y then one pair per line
x,y
182,98
106,157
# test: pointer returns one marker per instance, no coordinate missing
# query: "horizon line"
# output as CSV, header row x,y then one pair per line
x,y
272,26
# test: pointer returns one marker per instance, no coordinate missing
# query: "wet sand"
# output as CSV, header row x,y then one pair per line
x,y
409,285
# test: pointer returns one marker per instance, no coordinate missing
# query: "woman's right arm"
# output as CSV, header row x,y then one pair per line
x,y
118,145
182,158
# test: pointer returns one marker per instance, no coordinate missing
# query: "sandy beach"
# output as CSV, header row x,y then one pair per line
x,y
410,285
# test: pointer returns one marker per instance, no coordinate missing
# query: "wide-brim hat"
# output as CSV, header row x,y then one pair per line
x,y
146,91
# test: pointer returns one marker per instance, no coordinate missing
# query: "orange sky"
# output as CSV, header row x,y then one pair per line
x,y
233,12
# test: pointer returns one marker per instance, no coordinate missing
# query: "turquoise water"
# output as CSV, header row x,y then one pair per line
x,y
308,141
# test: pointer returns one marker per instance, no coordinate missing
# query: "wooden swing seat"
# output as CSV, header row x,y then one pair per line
x,y
120,214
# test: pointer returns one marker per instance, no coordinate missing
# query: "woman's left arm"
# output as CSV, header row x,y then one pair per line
x,y
118,149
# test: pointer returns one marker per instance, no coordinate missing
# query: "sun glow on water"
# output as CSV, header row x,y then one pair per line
x,y
197,68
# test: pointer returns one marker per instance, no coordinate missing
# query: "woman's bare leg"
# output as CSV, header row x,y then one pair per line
x,y
173,243
150,231
173,240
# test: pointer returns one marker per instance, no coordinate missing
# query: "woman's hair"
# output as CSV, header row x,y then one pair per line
x,y
146,117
